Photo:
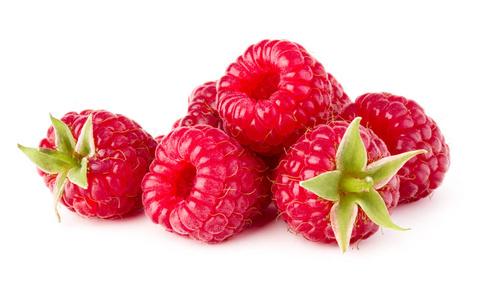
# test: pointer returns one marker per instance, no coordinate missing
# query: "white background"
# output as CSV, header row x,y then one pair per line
x,y
143,58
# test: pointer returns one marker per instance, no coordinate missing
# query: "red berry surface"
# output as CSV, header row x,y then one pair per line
x,y
123,152
204,185
271,94
404,126
339,100
306,213
202,107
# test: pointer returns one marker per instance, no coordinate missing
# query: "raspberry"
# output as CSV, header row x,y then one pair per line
x,y
271,94
404,126
101,175
204,185
339,100
202,108
325,173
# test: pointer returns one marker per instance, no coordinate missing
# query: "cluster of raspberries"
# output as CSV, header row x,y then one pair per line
x,y
275,120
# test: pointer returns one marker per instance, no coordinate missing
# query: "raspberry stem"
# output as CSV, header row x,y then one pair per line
x,y
355,185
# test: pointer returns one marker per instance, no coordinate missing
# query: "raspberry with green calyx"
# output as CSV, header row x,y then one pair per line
x,y
93,162
327,185
354,184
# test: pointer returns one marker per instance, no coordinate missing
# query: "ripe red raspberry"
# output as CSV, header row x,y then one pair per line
x,y
202,108
404,126
339,100
271,94
94,162
204,185
321,179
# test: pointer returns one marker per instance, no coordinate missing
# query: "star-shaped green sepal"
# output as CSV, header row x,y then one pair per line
x,y
69,162
354,184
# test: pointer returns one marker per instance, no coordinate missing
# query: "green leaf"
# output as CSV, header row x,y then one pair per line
x,y
342,217
374,207
63,136
67,158
48,160
351,153
58,190
384,169
85,144
78,175
324,185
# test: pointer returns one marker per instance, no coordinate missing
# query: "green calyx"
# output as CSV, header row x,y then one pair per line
x,y
69,161
354,184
